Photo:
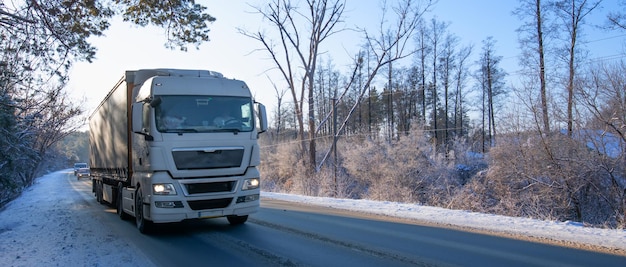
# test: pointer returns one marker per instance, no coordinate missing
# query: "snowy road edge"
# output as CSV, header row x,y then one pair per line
x,y
611,239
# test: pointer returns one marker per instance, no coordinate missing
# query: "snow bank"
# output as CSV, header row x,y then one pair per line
x,y
38,229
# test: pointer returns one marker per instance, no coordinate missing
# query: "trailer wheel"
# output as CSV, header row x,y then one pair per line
x,y
120,204
143,225
237,220
99,196
102,201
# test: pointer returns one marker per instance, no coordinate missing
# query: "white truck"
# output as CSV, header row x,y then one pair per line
x,y
168,145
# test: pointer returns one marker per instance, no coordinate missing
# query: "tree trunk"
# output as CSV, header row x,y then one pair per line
x,y
542,69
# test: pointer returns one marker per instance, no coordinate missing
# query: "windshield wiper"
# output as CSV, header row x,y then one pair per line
x,y
181,131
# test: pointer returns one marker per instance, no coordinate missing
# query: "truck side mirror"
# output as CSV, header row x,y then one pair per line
x,y
262,118
138,123
137,118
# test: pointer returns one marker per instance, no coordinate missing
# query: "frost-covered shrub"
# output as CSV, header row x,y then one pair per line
x,y
554,178
279,167
406,170
370,164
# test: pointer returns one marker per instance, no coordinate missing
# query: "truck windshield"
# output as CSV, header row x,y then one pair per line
x,y
191,114
80,165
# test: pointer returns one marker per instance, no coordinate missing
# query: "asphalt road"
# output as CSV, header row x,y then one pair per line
x,y
288,234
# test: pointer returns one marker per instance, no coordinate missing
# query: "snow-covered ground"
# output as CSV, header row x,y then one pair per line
x,y
41,227
50,224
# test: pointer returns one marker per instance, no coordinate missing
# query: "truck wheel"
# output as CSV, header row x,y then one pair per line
x,y
142,224
237,220
102,201
95,191
120,205
99,197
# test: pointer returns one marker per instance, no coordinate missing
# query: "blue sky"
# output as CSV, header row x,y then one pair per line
x,y
129,47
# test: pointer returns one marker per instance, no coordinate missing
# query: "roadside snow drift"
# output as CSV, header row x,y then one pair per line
x,y
42,228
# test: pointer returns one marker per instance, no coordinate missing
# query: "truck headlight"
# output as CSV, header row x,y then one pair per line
x,y
163,189
250,184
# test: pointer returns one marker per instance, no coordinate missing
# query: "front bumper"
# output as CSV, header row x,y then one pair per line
x,y
177,214
200,198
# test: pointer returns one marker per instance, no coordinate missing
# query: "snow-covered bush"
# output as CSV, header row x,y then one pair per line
x,y
555,178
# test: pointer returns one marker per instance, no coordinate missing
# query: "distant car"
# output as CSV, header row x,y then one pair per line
x,y
78,166
83,172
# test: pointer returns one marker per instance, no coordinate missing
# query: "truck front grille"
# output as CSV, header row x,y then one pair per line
x,y
210,158
216,187
210,203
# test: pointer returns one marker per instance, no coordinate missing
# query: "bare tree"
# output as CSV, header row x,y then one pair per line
x,y
322,18
572,14
461,77
408,15
423,49
491,82
280,94
532,43
404,100
605,97
449,62
617,19
438,30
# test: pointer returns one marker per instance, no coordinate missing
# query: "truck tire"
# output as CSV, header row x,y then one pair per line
x,y
102,201
99,196
237,220
143,225
95,190
120,203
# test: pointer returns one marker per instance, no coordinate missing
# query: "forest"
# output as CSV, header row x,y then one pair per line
x,y
441,130
551,147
